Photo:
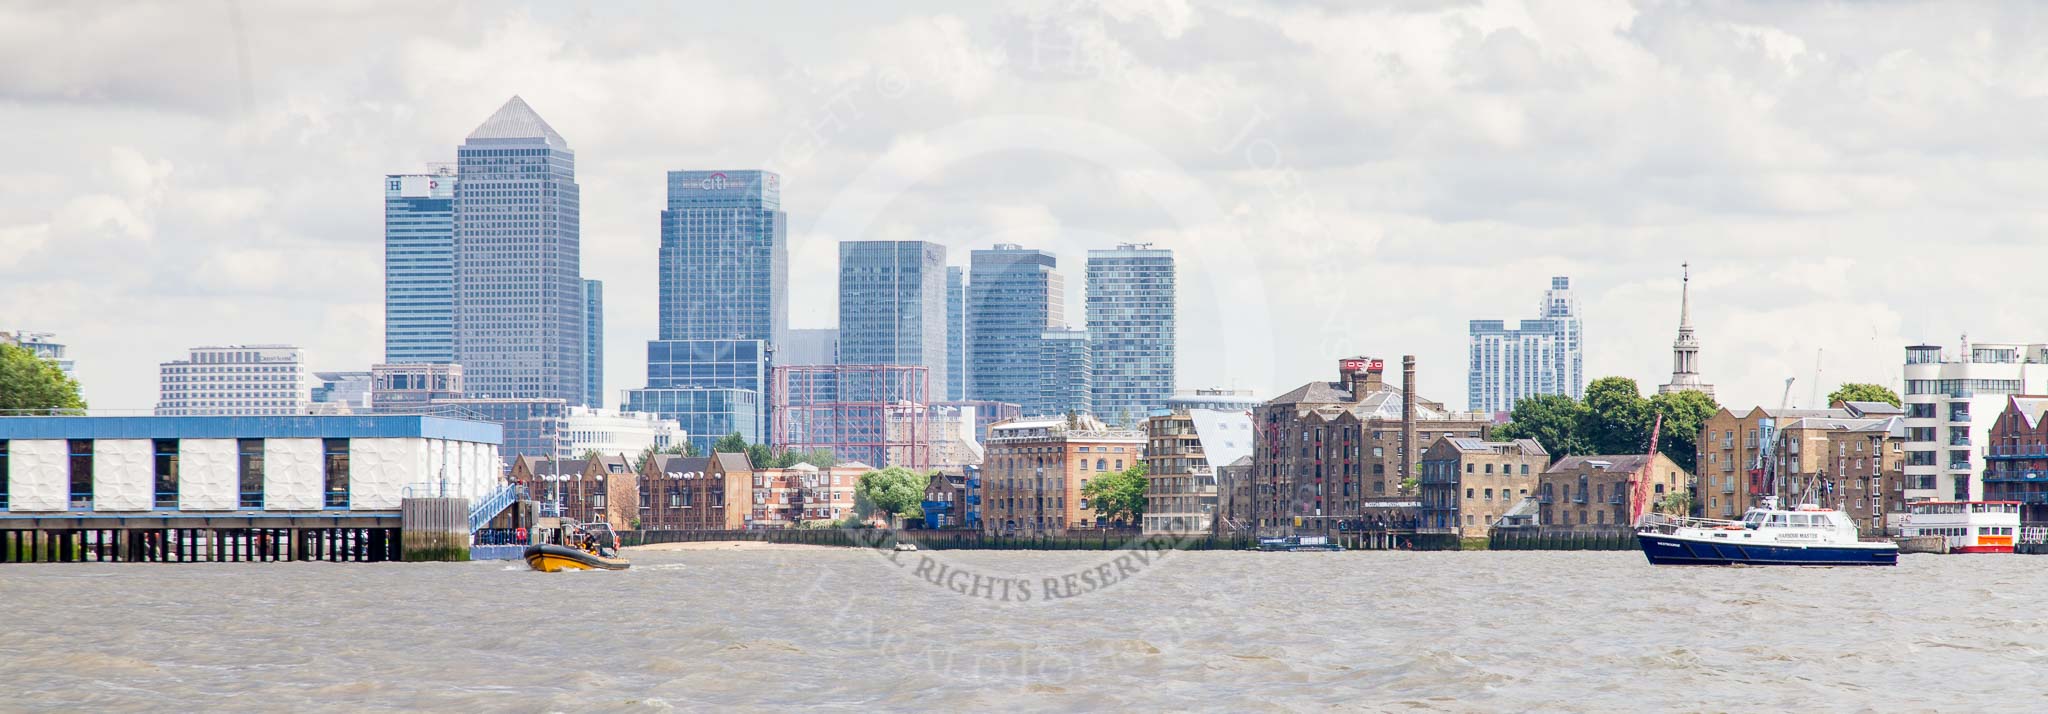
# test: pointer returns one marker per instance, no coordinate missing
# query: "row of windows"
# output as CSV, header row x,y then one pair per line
x,y
166,456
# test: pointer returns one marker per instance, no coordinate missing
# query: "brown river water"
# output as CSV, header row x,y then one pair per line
x,y
855,630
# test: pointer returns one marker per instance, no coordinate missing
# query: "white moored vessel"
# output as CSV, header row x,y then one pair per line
x,y
1807,535
1966,526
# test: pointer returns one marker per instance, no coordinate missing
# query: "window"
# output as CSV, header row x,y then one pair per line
x,y
81,474
166,473
3,475
336,462
1468,493
1489,469
1468,468
1100,464
1525,469
251,468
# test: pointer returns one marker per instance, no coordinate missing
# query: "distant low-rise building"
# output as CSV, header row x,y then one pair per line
x,y
1594,490
1854,464
952,500
1036,469
604,489
340,393
2016,457
696,492
587,429
1183,448
235,380
1468,484
1333,455
44,345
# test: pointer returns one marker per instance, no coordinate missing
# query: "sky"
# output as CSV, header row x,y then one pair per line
x,y
1335,178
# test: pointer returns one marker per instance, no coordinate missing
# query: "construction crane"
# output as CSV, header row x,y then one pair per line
x,y
1639,497
1785,402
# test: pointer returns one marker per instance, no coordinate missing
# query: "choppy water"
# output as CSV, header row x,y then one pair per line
x,y
850,630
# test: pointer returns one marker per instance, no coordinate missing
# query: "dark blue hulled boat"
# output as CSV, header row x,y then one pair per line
x,y
1807,535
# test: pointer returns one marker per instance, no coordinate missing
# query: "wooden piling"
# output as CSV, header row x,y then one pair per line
x,y
434,529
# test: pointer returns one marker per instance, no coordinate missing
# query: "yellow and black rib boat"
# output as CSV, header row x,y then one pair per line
x,y
549,558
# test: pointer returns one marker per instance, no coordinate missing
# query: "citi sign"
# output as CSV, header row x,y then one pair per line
x,y
713,182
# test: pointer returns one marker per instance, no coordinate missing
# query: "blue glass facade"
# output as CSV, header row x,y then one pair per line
x,y
956,333
419,267
892,305
518,274
1132,331
708,365
1066,369
724,257
724,292
1013,296
593,343
706,414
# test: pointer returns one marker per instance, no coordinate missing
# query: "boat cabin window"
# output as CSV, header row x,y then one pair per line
x,y
1777,520
1753,519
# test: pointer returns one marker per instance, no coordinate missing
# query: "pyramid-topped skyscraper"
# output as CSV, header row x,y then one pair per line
x,y
519,316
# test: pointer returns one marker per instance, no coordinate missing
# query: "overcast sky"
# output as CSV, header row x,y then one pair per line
x,y
1335,179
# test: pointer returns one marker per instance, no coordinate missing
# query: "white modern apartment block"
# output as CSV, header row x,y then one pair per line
x,y
1545,355
1951,402
614,432
44,345
236,380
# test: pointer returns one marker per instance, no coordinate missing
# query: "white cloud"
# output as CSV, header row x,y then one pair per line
x,y
1367,179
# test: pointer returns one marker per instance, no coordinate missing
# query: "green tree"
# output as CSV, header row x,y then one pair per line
x,y
731,443
1860,392
1685,414
1616,419
1119,496
895,491
1551,419
28,382
1676,503
760,455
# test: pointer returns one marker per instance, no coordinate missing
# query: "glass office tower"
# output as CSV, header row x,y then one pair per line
x,y
518,317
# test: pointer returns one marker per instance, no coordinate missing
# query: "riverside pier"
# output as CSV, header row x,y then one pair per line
x,y
172,489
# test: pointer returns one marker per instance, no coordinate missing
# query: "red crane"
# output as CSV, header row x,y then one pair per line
x,y
1639,486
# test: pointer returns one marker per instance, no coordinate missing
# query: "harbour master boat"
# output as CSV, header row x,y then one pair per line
x,y
1807,535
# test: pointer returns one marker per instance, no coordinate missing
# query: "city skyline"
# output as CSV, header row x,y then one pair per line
x,y
265,194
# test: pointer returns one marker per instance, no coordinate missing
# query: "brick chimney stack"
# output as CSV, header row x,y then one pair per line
x,y
1410,451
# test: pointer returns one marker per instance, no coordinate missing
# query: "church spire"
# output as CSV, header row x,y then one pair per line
x,y
1685,351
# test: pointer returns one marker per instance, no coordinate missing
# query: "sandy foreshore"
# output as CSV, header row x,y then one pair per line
x,y
731,545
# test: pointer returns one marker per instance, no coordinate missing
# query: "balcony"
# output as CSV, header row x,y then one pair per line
x,y
1959,417
1959,441
2020,451
2033,499
1959,466
1579,498
1614,500
1543,498
2014,476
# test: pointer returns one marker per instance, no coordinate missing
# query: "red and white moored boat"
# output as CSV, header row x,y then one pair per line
x,y
1967,526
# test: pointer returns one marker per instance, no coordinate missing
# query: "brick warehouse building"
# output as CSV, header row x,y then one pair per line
x,y
2016,458
1467,484
1329,456
1036,468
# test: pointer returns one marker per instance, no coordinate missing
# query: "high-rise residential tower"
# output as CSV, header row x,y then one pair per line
x,y
956,333
1066,370
724,292
1013,296
1131,331
518,317
892,305
419,267
1541,356
593,343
